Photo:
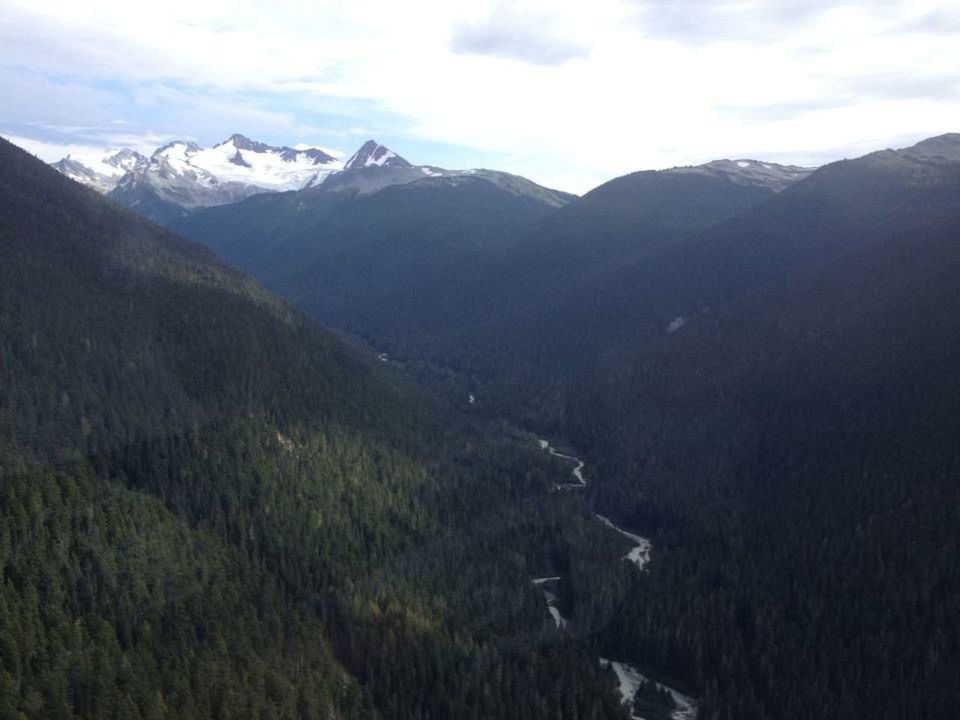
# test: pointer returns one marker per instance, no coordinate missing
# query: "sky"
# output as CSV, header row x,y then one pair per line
x,y
569,94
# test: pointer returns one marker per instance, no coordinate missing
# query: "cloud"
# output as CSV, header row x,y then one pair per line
x,y
514,33
48,151
939,21
332,152
753,21
565,92
901,85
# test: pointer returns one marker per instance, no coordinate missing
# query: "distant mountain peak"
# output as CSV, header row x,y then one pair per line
x,y
188,146
242,142
745,171
318,156
101,170
373,154
288,154
182,175
122,154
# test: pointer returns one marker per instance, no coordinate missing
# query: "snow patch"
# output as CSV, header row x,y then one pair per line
x,y
227,172
382,159
332,152
268,169
101,170
742,163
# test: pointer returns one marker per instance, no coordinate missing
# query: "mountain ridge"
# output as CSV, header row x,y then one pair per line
x,y
180,175
212,507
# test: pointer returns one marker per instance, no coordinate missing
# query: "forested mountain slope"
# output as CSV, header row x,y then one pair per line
x,y
766,389
211,508
595,329
442,268
770,396
795,458
398,266
134,364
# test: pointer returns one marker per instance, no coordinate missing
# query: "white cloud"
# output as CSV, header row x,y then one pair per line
x,y
519,33
48,152
567,93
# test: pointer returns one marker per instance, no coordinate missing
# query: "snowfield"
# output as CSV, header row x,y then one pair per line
x,y
268,168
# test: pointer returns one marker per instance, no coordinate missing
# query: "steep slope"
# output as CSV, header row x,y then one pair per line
x,y
773,401
181,175
837,209
373,154
439,268
797,452
683,277
396,266
135,364
210,507
102,171
629,217
767,390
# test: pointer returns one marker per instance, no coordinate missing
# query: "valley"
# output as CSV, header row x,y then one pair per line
x,y
335,486
480,361
629,678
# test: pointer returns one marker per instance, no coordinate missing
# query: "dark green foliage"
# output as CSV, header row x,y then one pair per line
x,y
796,459
652,702
112,607
791,448
211,508
396,267
595,329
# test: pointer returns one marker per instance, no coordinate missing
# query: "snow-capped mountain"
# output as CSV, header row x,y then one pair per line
x,y
101,171
244,162
373,154
375,166
750,172
181,175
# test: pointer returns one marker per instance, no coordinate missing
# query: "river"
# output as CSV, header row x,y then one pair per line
x,y
629,678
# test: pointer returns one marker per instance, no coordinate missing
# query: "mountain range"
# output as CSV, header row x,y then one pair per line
x,y
181,176
421,268
758,366
212,506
